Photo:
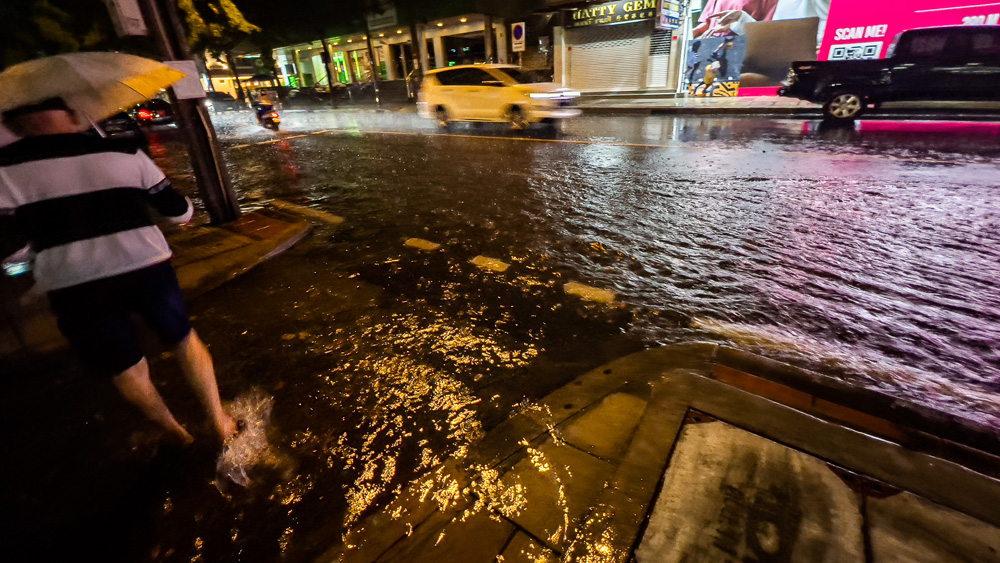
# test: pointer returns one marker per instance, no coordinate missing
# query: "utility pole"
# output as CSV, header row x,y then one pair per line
x,y
488,37
206,156
371,64
327,62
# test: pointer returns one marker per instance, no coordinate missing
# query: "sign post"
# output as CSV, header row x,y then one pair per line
x,y
127,17
517,41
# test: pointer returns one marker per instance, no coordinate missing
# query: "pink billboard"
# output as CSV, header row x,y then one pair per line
x,y
863,29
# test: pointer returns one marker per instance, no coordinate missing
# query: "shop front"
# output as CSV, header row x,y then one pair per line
x,y
615,47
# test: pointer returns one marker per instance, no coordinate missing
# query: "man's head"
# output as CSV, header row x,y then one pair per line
x,y
48,117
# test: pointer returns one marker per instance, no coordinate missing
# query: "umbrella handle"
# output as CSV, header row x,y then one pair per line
x,y
98,128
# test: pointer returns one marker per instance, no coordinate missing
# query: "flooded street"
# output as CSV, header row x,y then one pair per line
x,y
869,254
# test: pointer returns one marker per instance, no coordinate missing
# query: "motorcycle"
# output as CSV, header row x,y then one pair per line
x,y
266,116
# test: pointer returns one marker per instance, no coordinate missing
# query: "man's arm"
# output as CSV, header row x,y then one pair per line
x,y
169,203
11,238
161,195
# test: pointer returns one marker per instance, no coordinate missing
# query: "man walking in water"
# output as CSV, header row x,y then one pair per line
x,y
82,202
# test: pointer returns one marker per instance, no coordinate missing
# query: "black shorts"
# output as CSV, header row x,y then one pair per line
x,y
96,317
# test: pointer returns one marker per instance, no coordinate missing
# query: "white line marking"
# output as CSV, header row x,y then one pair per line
x,y
957,8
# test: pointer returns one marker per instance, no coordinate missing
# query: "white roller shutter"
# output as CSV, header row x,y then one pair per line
x,y
608,58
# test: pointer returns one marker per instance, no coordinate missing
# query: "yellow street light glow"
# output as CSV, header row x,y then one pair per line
x,y
365,38
463,20
381,35
440,24
398,31
350,40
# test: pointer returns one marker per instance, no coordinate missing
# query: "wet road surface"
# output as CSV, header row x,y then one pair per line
x,y
869,254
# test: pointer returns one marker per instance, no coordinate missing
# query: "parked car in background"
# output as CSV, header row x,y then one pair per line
x,y
959,63
497,93
222,101
121,125
154,112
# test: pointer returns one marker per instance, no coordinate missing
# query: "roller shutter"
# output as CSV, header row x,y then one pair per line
x,y
608,58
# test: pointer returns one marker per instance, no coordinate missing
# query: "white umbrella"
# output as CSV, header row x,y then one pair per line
x,y
96,85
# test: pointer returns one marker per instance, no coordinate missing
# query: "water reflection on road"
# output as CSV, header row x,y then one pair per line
x,y
868,253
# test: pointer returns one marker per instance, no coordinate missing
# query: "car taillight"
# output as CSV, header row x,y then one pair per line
x,y
145,114
274,114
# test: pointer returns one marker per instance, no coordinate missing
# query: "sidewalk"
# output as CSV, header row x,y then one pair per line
x,y
204,257
699,452
666,104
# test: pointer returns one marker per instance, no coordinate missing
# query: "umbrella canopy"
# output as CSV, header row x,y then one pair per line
x,y
97,85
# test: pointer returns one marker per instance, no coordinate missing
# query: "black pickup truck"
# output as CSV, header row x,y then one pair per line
x,y
933,64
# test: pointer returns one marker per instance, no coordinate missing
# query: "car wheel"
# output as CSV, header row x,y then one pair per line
x,y
518,120
844,106
442,117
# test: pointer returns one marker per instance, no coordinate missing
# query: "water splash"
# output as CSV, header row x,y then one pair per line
x,y
252,411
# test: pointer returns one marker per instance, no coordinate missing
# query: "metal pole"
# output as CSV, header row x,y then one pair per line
x,y
371,64
488,37
206,156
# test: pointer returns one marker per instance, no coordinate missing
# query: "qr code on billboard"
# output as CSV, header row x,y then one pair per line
x,y
855,51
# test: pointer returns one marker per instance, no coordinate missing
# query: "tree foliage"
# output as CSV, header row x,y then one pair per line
x,y
36,28
215,25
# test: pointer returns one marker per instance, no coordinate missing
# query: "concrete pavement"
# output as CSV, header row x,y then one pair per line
x,y
699,452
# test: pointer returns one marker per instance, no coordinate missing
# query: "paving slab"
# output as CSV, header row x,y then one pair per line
x,y
605,430
559,483
732,495
908,529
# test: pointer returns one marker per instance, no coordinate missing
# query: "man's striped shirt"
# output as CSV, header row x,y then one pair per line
x,y
83,203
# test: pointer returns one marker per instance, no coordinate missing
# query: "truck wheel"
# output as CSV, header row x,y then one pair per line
x,y
844,106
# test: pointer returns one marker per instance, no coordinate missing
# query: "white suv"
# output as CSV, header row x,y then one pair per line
x,y
499,93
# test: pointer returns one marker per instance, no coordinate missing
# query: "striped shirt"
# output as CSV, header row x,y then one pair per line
x,y
83,203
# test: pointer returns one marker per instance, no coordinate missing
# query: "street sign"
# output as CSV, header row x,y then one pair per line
x,y
127,17
189,87
671,14
517,37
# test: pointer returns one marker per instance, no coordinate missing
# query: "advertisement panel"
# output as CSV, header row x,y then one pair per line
x,y
862,29
714,66
776,33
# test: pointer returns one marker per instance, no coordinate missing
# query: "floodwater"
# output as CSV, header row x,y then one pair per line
x,y
870,254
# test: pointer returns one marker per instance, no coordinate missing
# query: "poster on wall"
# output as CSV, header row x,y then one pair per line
x,y
714,66
776,32
861,29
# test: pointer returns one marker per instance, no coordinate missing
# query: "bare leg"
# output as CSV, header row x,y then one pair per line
x,y
134,384
197,366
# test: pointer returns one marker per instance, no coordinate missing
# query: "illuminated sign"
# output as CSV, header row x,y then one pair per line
x,y
862,29
614,13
